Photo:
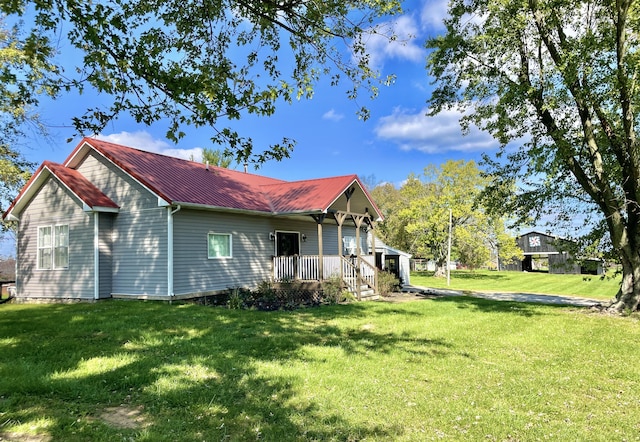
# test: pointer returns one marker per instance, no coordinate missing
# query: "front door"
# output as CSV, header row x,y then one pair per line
x,y
287,243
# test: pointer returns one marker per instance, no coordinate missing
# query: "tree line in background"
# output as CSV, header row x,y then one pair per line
x,y
419,213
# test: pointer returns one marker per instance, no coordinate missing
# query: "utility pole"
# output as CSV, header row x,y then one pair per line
x,y
449,252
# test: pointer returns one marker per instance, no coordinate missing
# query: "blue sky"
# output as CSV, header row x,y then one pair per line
x,y
397,140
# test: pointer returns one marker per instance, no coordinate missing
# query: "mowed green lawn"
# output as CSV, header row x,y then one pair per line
x,y
589,286
454,368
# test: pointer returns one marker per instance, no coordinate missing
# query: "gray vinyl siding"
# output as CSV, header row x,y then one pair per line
x,y
138,255
139,259
310,229
105,254
117,185
252,249
54,204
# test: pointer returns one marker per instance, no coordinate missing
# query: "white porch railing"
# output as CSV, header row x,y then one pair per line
x,y
354,271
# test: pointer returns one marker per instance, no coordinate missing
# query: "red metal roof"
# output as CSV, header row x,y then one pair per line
x,y
79,185
181,181
308,195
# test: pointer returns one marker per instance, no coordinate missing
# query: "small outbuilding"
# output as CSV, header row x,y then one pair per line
x,y
548,253
393,261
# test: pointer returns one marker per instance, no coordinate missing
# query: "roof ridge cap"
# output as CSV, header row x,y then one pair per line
x,y
193,162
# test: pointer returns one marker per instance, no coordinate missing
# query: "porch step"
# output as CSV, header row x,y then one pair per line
x,y
366,293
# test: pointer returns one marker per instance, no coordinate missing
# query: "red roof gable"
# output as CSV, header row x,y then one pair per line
x,y
88,193
308,195
80,186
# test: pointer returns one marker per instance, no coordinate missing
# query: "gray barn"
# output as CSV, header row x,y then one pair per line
x,y
545,253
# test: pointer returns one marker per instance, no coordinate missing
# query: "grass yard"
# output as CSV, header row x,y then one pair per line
x,y
589,286
454,368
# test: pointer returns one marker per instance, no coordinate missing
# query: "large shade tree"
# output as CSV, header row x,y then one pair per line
x,y
189,63
560,80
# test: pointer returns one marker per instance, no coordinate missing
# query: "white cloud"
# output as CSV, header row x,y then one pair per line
x,y
442,133
406,46
143,140
332,115
433,14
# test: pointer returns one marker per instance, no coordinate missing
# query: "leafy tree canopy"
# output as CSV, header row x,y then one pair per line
x,y
558,79
21,77
216,157
197,63
417,216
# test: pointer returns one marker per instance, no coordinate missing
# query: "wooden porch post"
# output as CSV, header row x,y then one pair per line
x,y
357,219
340,217
373,238
372,223
319,220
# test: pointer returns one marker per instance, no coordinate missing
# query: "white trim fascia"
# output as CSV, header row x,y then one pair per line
x,y
87,208
29,192
96,255
78,151
342,193
106,209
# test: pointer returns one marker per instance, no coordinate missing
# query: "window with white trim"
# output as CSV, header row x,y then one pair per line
x,y
53,247
44,247
219,245
350,246
61,247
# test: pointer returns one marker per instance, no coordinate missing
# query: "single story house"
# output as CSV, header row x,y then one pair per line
x,y
118,222
544,252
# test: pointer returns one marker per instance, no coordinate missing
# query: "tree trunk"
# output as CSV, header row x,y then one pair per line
x,y
441,268
628,296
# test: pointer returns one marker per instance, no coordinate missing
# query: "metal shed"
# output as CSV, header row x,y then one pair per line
x,y
394,261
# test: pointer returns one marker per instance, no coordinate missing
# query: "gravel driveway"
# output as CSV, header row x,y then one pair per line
x,y
414,293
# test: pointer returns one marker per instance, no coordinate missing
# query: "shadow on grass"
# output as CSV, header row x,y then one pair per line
x,y
199,373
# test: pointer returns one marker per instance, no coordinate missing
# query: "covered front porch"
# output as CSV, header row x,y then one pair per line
x,y
358,273
344,225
